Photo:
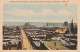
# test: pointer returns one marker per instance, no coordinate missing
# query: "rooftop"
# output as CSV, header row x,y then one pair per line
x,y
51,45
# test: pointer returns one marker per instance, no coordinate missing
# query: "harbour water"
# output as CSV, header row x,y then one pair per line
x,y
38,24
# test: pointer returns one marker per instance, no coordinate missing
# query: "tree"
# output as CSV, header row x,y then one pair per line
x,y
19,45
9,45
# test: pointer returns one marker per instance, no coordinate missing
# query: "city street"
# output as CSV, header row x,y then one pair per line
x,y
25,42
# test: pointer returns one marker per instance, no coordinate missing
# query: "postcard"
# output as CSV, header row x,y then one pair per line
x,y
39,25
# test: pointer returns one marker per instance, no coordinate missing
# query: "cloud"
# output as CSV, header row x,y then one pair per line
x,y
65,12
17,12
31,13
59,12
43,16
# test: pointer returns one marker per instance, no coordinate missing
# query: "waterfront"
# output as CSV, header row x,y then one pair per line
x,y
33,37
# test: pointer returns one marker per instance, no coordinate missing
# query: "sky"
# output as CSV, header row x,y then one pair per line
x,y
39,12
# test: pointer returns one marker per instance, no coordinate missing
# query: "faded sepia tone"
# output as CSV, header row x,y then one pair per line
x,y
40,27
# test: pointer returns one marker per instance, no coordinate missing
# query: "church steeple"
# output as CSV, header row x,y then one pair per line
x,y
72,27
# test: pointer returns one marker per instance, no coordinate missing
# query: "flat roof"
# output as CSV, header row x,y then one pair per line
x,y
51,45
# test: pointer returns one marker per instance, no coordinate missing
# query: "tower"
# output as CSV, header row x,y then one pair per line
x,y
65,23
72,27
26,24
47,24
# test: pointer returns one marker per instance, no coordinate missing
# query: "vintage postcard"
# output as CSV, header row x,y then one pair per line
x,y
48,25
